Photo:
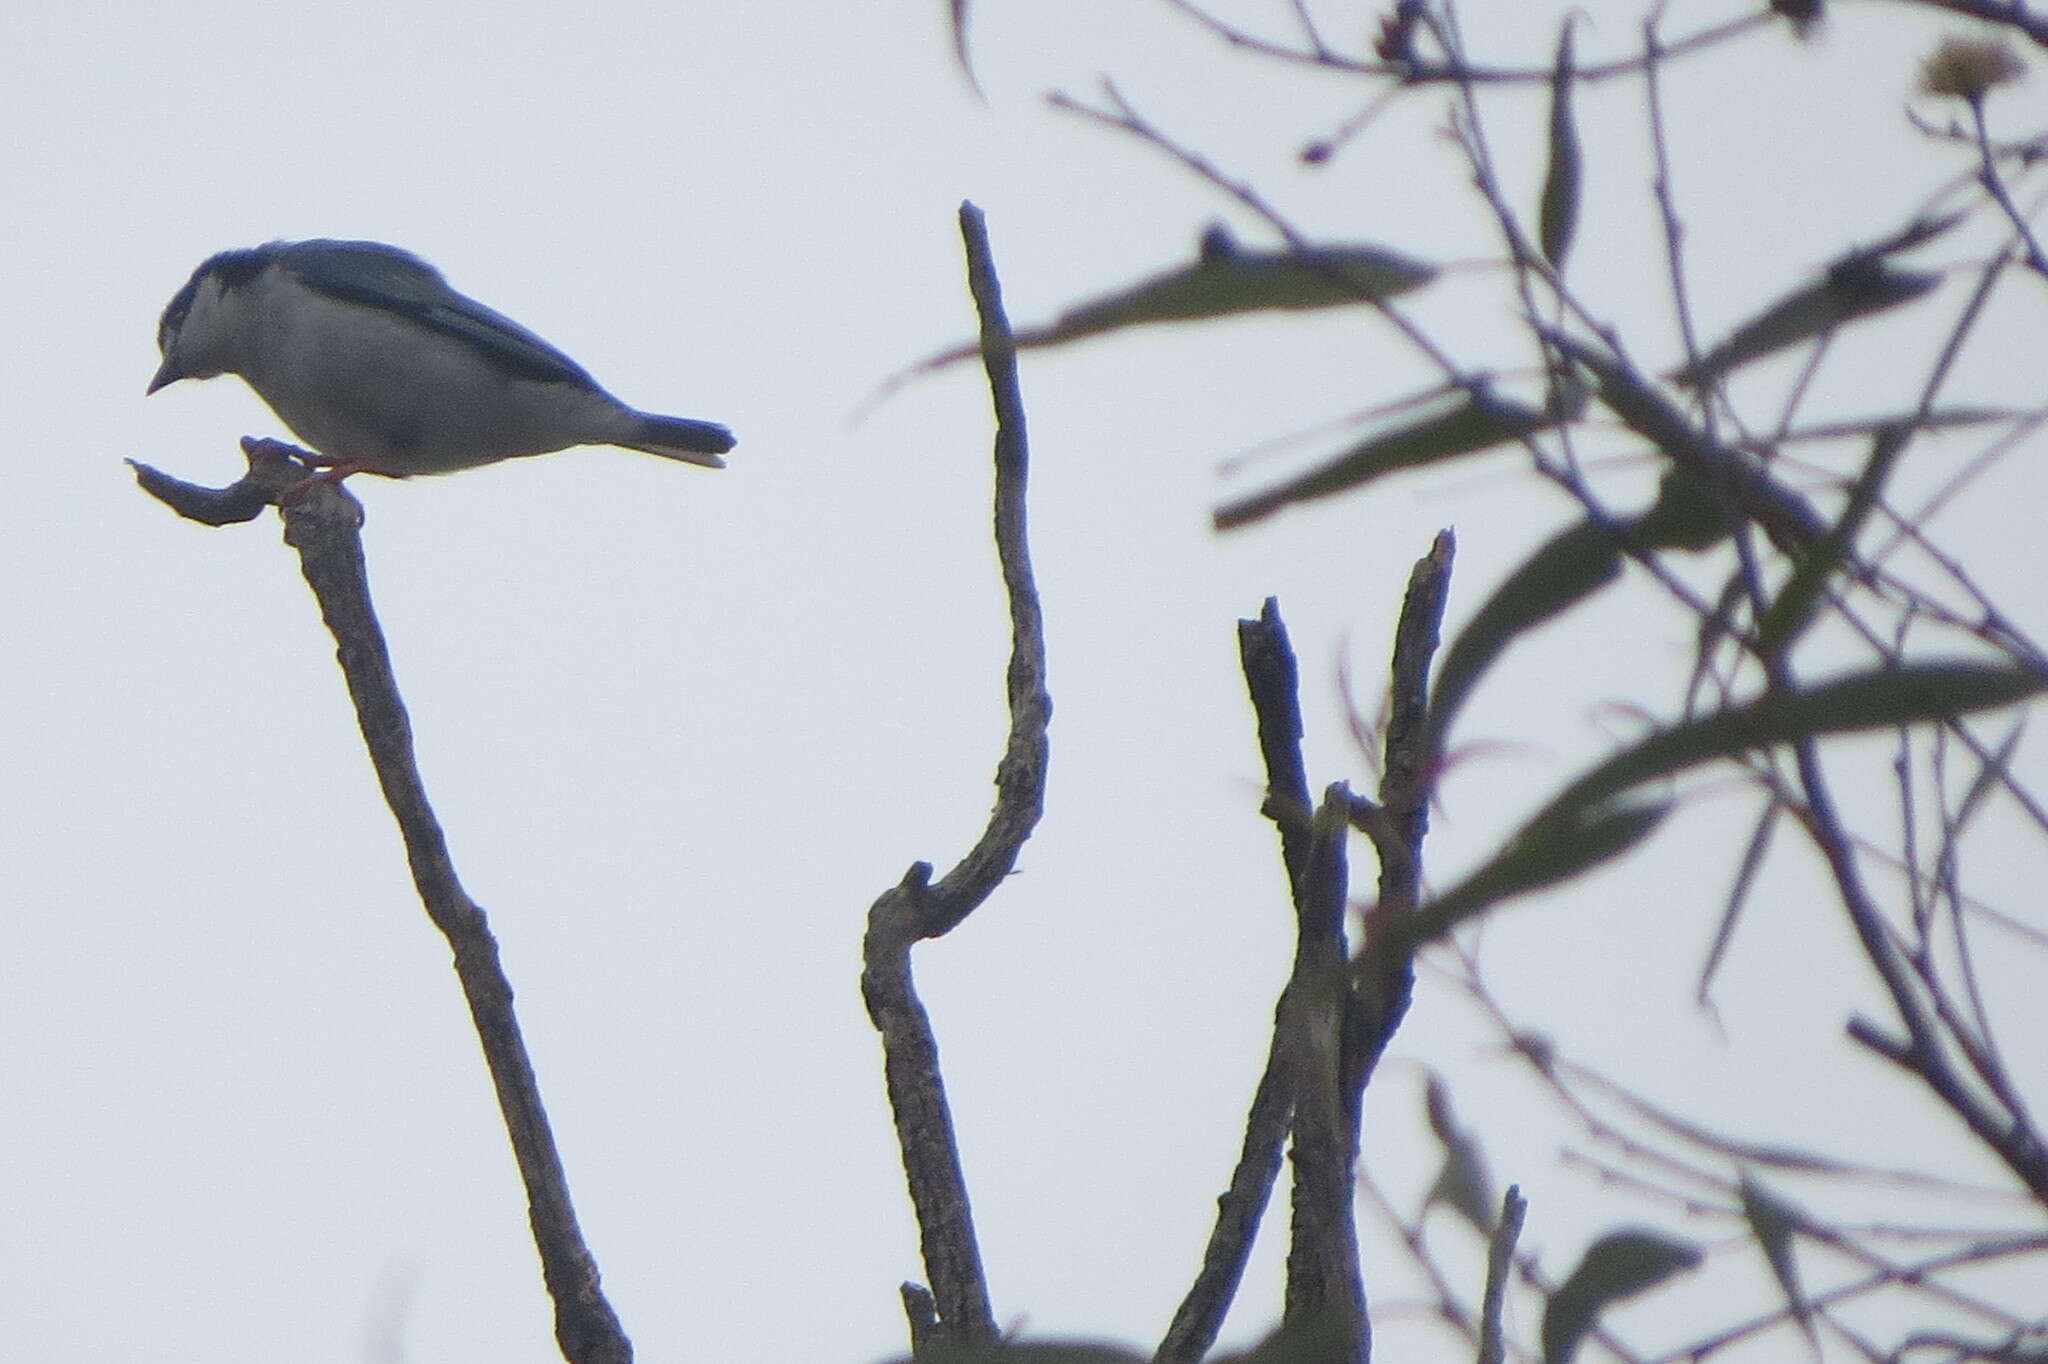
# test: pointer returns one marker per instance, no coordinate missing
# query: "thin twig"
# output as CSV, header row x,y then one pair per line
x,y
1500,1256
1918,1274
1458,72
917,908
1446,1307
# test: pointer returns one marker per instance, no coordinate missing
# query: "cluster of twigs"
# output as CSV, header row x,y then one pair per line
x,y
1800,578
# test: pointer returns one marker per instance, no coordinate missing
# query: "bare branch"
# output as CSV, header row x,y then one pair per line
x,y
1994,185
915,908
1323,1280
1273,678
322,522
1500,1255
1410,765
1383,981
274,469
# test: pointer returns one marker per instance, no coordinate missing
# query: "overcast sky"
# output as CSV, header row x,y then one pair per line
x,y
683,726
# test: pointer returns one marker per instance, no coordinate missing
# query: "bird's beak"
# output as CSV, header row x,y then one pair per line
x,y
166,373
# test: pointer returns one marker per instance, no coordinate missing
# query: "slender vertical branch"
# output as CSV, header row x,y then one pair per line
x,y
1273,679
1324,1282
917,908
1384,982
322,523
1328,1032
323,528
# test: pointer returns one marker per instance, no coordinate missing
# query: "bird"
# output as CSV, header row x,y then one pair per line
x,y
371,358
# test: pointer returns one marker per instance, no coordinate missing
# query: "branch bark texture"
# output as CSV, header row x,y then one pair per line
x,y
1331,1025
322,522
917,908
1273,679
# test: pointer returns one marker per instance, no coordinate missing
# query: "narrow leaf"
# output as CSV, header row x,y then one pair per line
x,y
1594,818
1804,14
1774,1222
1936,419
1558,216
1230,281
1788,616
1916,233
1732,475
1617,1266
1881,698
958,17
1548,850
1225,280
1463,1184
1738,895
1858,285
1471,422
1570,568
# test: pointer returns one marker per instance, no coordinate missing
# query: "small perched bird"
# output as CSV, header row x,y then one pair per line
x,y
369,357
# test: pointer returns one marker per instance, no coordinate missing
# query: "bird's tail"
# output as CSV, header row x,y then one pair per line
x,y
692,442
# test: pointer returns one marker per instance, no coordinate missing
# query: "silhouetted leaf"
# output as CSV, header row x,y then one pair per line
x,y
1738,895
1881,698
1225,282
1858,285
1720,471
1468,422
1595,817
1617,1266
957,13
1558,215
1919,232
1574,564
1804,14
1788,616
1554,847
1774,1223
1936,419
1462,1184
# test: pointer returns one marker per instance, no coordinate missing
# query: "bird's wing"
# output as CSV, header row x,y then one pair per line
x,y
380,276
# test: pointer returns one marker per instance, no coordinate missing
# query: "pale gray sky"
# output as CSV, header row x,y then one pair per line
x,y
682,727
